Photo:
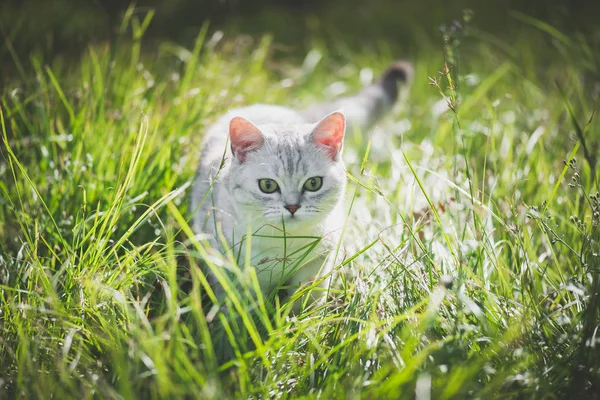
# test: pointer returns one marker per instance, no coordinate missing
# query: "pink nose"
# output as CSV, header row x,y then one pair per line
x,y
292,208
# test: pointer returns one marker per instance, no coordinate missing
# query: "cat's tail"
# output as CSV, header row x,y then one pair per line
x,y
367,106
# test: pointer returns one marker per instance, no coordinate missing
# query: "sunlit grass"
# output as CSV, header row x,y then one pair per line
x,y
470,256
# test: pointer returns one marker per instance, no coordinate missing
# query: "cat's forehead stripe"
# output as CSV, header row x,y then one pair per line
x,y
299,163
290,159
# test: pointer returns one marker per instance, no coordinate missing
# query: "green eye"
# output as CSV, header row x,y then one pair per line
x,y
268,186
313,184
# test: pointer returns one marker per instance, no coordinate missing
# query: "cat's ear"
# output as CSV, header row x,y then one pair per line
x,y
329,133
244,137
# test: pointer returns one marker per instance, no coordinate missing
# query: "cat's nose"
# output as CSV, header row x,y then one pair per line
x,y
292,208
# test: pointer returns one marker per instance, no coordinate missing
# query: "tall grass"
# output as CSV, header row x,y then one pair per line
x,y
472,248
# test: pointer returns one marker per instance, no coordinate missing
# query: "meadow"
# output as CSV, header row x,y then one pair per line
x,y
472,244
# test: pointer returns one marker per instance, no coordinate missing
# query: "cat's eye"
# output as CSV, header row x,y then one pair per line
x,y
313,184
268,186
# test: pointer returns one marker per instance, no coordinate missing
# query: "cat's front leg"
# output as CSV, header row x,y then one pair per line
x,y
319,269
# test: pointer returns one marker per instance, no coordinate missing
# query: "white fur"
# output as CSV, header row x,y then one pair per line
x,y
237,207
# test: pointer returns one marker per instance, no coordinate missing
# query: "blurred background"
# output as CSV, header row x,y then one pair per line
x,y
65,27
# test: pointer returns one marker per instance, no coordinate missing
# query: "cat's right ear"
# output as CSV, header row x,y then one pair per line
x,y
329,133
244,137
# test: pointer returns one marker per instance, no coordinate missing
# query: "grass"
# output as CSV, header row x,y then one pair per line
x,y
472,245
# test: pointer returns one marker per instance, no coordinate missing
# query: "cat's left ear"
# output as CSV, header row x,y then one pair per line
x,y
329,133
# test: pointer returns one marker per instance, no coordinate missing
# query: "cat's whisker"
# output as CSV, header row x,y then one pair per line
x,y
271,213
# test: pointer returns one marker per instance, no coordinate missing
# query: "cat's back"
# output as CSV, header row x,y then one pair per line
x,y
265,114
216,135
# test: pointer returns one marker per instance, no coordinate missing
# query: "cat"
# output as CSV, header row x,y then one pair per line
x,y
273,178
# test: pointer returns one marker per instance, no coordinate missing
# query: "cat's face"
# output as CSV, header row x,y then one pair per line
x,y
284,174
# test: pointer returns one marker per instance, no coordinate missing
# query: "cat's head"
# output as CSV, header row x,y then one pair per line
x,y
289,173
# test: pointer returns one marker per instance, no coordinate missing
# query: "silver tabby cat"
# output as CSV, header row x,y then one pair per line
x,y
271,182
